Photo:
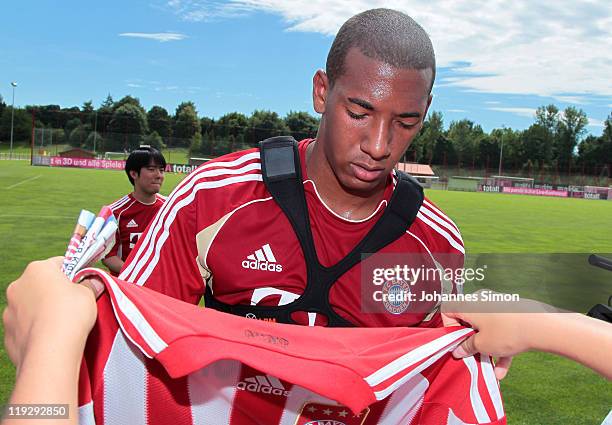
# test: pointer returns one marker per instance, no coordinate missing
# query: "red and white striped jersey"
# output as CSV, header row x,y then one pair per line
x,y
133,217
221,228
152,359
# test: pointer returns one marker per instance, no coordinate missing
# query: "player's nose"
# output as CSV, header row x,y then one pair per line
x,y
378,140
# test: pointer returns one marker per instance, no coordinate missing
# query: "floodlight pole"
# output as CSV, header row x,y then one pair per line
x,y
13,84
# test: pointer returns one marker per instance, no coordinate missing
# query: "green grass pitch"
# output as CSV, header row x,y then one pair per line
x,y
40,204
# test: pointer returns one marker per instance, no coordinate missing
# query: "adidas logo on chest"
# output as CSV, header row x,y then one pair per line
x,y
262,259
132,223
263,384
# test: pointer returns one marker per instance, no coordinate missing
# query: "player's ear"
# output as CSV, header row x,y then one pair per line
x,y
134,174
320,91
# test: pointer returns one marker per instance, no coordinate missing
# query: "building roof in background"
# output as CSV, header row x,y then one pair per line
x,y
415,169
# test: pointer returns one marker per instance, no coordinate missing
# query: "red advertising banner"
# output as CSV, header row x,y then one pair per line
x,y
111,164
532,191
579,195
106,164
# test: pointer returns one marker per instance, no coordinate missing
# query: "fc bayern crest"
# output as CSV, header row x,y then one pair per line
x,y
396,296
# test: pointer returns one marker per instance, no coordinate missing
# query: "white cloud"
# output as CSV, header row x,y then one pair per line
x,y
205,10
456,110
166,88
523,112
593,122
134,85
576,100
492,102
523,47
162,37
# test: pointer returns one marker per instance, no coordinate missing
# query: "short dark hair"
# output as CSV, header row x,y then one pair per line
x,y
385,35
143,157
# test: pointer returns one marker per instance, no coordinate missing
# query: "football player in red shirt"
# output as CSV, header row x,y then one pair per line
x,y
222,233
145,169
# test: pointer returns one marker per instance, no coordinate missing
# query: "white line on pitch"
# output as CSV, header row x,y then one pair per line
x,y
24,181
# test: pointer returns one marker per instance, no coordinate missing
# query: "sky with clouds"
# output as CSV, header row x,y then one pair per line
x,y
497,61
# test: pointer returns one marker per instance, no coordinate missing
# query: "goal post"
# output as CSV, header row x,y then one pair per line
x,y
115,155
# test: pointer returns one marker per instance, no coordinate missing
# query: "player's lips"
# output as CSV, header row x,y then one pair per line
x,y
366,172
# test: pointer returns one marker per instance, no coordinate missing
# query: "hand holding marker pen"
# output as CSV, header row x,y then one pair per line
x,y
88,239
96,250
96,242
84,222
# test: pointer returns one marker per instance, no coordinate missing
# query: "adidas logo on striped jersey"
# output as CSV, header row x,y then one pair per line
x,y
132,223
263,384
262,259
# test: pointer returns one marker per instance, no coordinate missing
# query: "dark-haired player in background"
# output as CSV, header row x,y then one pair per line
x,y
145,170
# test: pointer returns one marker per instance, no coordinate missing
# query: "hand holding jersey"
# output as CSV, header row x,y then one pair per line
x,y
46,323
41,302
537,326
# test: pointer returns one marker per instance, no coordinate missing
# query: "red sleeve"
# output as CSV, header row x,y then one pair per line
x,y
444,240
86,405
462,391
164,258
84,386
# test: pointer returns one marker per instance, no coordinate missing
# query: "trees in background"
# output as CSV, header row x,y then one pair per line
x,y
555,141
593,151
466,136
264,124
22,124
571,129
127,127
424,144
160,122
186,129
227,134
301,124
234,131
105,112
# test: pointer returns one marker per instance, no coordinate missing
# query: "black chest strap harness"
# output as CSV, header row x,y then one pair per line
x,y
280,166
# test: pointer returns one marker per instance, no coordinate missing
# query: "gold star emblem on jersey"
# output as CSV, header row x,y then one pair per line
x,y
329,414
